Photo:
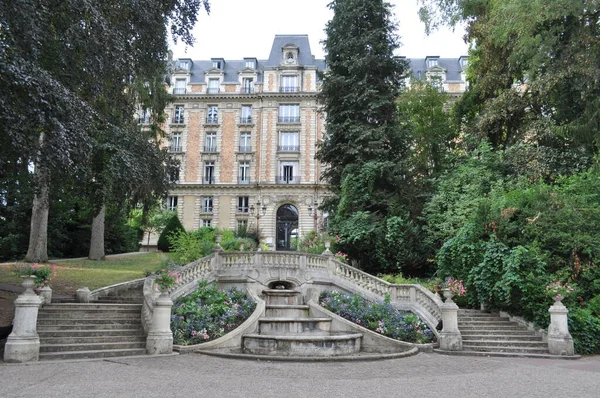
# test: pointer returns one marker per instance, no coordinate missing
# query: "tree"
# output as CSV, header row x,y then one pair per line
x,y
173,226
364,146
68,70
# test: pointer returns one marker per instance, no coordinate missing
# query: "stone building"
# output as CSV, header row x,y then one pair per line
x,y
246,133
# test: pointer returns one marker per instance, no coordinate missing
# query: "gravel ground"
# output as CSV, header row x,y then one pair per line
x,y
197,375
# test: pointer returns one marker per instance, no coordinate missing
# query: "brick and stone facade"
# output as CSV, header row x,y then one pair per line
x,y
246,134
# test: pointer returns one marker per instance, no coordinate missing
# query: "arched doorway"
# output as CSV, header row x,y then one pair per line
x,y
287,227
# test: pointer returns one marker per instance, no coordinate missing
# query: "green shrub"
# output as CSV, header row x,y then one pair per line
x,y
173,226
585,329
190,246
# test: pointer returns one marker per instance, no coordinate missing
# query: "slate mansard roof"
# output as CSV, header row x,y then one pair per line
x,y
452,66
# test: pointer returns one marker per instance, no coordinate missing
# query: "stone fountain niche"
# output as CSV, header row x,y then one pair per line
x,y
281,285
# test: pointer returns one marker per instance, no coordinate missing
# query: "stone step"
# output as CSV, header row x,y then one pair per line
x,y
503,332
91,306
283,310
492,348
482,319
303,346
95,332
67,340
91,346
289,297
69,322
499,337
93,314
505,343
506,354
493,323
293,326
50,356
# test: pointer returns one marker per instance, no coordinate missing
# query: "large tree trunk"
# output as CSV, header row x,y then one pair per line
x,y
38,235
97,240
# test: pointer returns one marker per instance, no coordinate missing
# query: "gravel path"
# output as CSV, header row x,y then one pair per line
x,y
193,375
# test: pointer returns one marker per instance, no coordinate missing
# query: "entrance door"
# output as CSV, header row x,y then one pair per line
x,y
287,228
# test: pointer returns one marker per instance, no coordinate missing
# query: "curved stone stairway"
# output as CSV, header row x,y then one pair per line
x,y
108,327
289,330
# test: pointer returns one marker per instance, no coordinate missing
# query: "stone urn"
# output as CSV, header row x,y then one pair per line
x,y
448,294
28,283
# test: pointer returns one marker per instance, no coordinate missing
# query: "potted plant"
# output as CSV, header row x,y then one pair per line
x,y
558,290
166,279
38,275
452,286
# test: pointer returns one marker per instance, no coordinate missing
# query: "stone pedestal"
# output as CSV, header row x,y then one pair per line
x,y
83,295
160,337
560,341
23,344
450,337
46,294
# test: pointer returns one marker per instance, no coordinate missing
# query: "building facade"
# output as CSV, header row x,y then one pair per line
x,y
246,134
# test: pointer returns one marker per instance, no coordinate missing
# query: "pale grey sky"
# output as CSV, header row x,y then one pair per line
x,y
245,28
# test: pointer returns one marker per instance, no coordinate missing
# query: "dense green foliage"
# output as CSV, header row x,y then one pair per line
x,y
172,227
380,317
208,313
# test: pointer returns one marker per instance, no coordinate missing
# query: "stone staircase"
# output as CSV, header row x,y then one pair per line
x,y
488,334
94,330
289,330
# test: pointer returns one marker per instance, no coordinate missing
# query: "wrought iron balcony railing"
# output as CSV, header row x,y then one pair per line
x,y
287,179
288,148
179,90
210,148
246,120
289,89
212,120
213,90
289,119
178,120
244,148
244,180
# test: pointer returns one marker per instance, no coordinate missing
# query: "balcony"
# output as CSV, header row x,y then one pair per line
x,y
212,120
175,148
208,180
210,148
179,90
213,90
288,148
287,179
178,120
289,119
244,180
246,120
207,209
244,148
247,90
289,89
243,209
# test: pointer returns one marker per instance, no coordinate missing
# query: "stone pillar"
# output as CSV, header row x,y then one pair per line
x,y
160,337
450,338
23,344
46,294
83,295
560,341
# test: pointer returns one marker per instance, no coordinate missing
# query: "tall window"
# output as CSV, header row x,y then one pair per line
x,y
247,85
246,114
289,84
145,116
244,174
288,141
212,114
172,203
245,142
175,142
178,116
209,172
243,204
210,142
289,113
288,173
213,86
207,204
179,86
241,226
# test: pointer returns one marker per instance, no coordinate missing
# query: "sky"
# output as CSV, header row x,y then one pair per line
x,y
245,28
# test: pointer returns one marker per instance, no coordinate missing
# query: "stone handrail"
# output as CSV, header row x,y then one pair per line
x,y
119,287
188,276
412,297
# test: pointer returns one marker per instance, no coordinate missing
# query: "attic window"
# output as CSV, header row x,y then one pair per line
x,y
431,62
464,62
216,64
250,64
289,57
184,65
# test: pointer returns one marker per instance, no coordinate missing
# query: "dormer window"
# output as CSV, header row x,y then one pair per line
x,y
183,65
250,64
289,54
216,64
289,58
464,62
432,62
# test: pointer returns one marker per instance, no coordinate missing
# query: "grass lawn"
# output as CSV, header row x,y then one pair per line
x,y
74,274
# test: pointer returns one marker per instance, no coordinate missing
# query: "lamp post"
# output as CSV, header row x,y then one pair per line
x,y
313,210
258,212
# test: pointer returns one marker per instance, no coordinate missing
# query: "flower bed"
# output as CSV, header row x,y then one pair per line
x,y
208,313
380,317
